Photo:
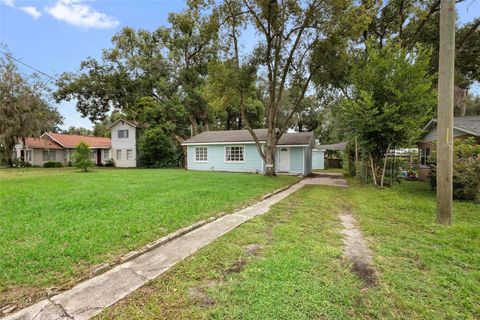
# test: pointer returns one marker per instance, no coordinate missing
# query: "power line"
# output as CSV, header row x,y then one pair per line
x,y
29,66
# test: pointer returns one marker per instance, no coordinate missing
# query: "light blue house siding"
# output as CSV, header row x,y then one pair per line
x,y
308,161
216,159
300,159
298,162
318,159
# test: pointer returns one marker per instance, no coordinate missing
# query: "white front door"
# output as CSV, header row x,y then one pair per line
x,y
284,159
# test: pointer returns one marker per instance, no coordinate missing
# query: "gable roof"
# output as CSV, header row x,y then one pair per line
x,y
232,136
35,143
72,140
132,123
468,124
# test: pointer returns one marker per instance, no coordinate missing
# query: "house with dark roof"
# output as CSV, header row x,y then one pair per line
x,y
59,147
236,151
463,127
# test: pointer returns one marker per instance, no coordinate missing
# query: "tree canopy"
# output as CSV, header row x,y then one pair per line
x,y
24,107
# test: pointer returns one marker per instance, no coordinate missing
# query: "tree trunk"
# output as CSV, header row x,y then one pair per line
x,y
24,149
356,156
460,96
270,154
374,176
194,125
384,166
180,140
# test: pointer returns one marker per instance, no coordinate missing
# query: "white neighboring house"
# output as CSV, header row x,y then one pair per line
x,y
124,143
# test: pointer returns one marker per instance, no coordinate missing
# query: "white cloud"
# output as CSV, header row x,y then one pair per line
x,y
81,15
33,11
9,3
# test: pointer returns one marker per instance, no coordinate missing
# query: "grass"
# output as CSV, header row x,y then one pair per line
x,y
55,224
298,271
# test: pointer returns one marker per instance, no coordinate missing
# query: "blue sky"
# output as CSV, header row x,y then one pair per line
x,y
54,36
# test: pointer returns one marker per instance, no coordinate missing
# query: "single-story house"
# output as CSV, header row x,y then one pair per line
x,y
463,127
59,147
236,151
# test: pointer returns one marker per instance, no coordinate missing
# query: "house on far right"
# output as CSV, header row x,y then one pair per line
x,y
463,127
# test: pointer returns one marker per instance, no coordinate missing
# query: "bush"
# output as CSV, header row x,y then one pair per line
x,y
110,163
157,149
81,158
52,164
466,170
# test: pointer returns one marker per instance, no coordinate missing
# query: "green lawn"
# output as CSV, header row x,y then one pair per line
x,y
55,224
288,263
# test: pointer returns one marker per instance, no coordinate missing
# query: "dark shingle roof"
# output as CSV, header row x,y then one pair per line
x,y
299,138
469,124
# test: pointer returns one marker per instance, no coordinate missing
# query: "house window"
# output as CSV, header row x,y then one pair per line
x,y
424,155
106,154
129,154
28,155
92,154
122,134
234,154
48,155
201,154
119,154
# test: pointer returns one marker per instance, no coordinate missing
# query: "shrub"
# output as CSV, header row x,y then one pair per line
x,y
52,164
466,170
81,158
110,163
157,149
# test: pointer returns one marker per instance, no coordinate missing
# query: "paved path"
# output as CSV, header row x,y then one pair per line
x,y
92,296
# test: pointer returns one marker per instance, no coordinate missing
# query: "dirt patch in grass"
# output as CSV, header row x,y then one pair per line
x,y
253,249
357,251
236,267
199,294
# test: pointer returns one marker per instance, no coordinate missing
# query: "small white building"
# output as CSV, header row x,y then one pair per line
x,y
124,143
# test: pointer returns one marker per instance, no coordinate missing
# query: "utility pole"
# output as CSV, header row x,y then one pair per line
x,y
445,112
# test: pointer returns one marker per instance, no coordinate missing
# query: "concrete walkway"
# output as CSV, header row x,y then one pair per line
x,y
92,296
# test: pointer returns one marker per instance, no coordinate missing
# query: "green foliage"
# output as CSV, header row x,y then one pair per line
x,y
157,149
392,98
466,170
110,163
225,87
52,164
78,131
81,157
24,107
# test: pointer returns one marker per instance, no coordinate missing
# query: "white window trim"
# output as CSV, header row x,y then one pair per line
x,y
230,161
118,134
195,154
116,155
131,155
